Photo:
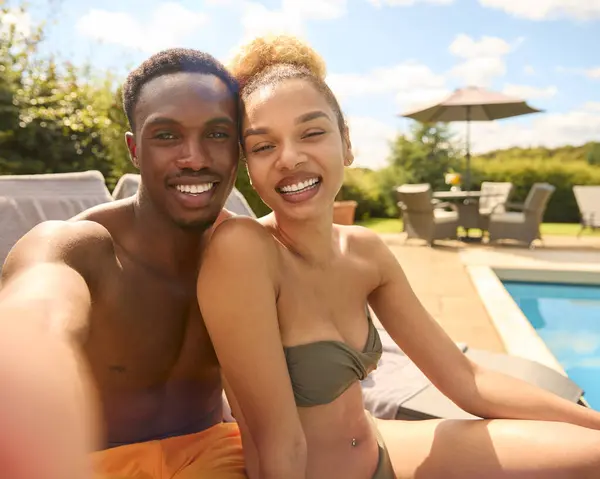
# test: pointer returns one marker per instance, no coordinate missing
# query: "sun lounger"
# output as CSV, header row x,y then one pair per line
x,y
126,186
588,202
27,200
398,390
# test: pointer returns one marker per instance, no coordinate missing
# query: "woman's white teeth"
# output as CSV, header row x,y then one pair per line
x,y
303,185
194,189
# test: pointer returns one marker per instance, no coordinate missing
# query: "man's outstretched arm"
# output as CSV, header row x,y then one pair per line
x,y
48,418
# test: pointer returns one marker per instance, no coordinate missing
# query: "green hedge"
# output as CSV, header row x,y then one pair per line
x,y
562,207
374,190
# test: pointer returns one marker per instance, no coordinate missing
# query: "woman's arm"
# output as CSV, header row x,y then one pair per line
x,y
481,392
238,299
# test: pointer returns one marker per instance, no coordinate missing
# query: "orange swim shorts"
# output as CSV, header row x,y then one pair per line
x,y
215,453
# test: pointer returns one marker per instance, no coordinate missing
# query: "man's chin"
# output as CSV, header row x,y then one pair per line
x,y
196,224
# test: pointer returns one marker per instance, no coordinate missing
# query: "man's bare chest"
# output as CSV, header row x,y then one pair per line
x,y
147,329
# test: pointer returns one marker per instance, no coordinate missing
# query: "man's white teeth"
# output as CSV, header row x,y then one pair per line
x,y
299,186
194,189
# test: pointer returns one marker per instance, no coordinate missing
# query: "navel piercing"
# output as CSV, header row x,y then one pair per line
x,y
353,442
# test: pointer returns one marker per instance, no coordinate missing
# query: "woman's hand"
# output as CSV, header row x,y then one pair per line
x,y
479,391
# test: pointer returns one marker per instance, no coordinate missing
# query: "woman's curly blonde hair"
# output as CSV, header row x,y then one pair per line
x,y
269,60
262,53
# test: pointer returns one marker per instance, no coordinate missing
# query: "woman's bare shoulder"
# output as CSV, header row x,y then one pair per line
x,y
242,237
361,240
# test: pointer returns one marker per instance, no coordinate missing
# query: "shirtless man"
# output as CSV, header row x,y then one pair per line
x,y
101,310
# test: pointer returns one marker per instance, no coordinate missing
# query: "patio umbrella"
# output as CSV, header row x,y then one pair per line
x,y
472,104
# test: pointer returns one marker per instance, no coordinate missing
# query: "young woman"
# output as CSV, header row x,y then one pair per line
x,y
284,302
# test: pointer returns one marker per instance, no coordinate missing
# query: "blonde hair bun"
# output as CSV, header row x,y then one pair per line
x,y
267,51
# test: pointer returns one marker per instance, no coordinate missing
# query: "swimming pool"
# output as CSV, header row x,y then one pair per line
x,y
567,318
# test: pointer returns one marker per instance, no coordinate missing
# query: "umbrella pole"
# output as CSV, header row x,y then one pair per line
x,y
468,169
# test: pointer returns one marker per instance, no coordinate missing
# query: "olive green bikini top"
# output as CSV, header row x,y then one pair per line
x,y
323,370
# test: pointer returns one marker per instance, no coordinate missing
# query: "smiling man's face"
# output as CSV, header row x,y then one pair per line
x,y
186,146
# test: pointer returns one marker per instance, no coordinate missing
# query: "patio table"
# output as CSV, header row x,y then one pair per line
x,y
467,205
456,195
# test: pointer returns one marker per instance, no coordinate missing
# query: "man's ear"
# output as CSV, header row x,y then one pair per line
x,y
348,155
131,146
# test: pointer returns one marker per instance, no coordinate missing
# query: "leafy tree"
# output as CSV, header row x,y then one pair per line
x,y
50,119
425,155
593,156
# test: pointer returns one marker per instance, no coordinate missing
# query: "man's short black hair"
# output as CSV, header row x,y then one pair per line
x,y
173,60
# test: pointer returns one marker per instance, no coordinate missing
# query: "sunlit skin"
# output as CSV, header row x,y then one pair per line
x,y
305,142
293,277
117,286
184,145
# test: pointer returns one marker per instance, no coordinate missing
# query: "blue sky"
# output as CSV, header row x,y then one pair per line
x,y
384,56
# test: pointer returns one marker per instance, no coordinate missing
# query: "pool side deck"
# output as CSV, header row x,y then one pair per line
x,y
457,285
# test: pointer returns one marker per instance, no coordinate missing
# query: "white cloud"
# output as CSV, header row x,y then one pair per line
x,y
592,106
577,126
408,3
547,9
220,3
316,9
529,70
370,141
410,100
593,73
483,58
289,18
529,92
464,46
413,84
404,77
479,71
258,20
169,23
20,20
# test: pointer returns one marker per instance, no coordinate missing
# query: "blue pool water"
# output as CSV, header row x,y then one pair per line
x,y
567,318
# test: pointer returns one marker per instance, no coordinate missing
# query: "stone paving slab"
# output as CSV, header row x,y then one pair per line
x,y
440,279
443,285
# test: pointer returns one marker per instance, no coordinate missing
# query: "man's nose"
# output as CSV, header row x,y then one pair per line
x,y
193,156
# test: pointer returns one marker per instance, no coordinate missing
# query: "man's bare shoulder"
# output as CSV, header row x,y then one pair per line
x,y
106,213
79,244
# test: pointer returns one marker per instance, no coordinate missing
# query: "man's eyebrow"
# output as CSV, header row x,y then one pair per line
x,y
160,120
301,119
222,120
163,120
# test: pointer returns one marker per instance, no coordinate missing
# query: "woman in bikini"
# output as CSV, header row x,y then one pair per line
x,y
283,298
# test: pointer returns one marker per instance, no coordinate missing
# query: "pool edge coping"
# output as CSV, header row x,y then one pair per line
x,y
517,334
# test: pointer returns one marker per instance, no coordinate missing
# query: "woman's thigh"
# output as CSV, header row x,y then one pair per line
x,y
491,449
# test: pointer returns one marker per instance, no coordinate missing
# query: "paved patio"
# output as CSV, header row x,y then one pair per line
x,y
440,279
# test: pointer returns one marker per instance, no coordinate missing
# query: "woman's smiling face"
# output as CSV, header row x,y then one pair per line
x,y
294,147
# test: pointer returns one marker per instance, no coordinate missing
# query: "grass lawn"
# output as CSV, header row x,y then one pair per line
x,y
394,225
